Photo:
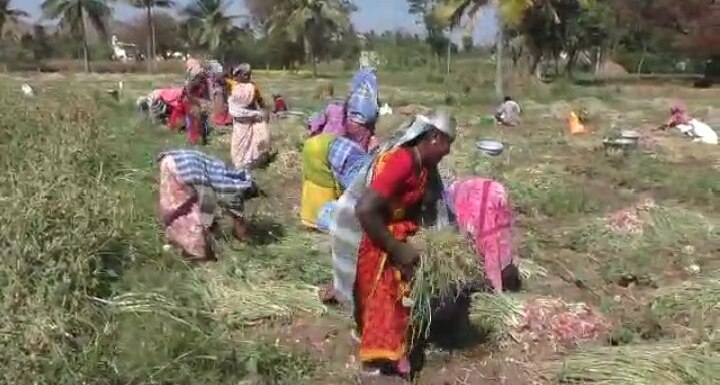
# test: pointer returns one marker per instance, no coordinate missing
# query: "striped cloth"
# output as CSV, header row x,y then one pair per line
x,y
362,105
227,184
346,159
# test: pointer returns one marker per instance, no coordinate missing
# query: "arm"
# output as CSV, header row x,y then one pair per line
x,y
374,208
373,211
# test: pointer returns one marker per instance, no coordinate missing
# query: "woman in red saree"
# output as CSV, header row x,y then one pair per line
x,y
189,111
388,212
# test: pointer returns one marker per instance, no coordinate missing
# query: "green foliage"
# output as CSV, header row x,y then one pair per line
x,y
78,229
9,14
208,23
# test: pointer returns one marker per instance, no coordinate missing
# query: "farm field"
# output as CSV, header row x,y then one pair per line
x,y
90,297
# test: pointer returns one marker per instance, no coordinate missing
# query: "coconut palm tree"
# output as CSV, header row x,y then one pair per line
x,y
510,13
148,6
9,14
74,14
208,22
311,20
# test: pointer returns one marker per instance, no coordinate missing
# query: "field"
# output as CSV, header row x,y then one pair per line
x,y
90,297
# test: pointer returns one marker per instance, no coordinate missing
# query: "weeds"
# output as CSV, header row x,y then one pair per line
x,y
71,223
89,296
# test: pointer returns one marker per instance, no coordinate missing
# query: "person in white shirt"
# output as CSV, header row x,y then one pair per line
x,y
508,114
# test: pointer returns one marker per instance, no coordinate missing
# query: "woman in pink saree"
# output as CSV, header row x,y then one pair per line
x,y
483,212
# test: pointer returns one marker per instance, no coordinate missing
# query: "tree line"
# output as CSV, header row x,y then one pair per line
x,y
642,35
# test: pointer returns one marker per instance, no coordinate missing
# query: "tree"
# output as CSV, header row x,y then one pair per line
x,y
261,10
148,6
41,45
435,29
313,21
208,22
74,14
704,36
9,14
510,12
167,32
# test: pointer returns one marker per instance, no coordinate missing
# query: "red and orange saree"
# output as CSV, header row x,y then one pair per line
x,y
379,288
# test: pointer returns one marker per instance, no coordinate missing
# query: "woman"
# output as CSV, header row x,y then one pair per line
x,y
362,104
193,186
482,211
372,263
250,142
161,103
699,131
330,164
218,94
331,120
193,108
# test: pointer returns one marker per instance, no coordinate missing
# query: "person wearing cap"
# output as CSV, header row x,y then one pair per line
x,y
250,142
372,262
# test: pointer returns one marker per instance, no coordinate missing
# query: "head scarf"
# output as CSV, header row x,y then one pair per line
x,y
243,71
437,120
679,113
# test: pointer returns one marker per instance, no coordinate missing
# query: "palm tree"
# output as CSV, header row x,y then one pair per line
x,y
510,13
148,6
74,15
9,14
313,20
208,22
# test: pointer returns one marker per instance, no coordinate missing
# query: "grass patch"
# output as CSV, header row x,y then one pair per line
x,y
666,364
671,238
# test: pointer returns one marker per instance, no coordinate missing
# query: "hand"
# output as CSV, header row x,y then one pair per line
x,y
253,192
407,272
404,254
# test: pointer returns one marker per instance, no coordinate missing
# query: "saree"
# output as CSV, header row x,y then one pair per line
x,y
250,141
380,314
346,232
360,133
194,189
186,231
319,185
346,158
330,120
483,213
361,277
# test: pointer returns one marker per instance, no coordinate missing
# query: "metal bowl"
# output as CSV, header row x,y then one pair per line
x,y
490,147
624,141
629,134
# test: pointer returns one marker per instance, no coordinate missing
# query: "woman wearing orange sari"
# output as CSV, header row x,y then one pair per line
x,y
393,200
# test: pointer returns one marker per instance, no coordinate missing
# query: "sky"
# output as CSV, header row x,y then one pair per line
x,y
377,15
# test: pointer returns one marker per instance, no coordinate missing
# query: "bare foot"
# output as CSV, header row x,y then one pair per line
x,y
240,231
